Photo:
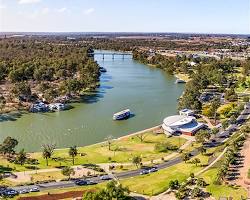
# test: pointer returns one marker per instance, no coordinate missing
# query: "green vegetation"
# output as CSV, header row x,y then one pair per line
x,y
113,190
158,182
221,190
121,151
33,69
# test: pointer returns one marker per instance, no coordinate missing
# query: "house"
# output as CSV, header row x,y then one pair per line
x,y
183,124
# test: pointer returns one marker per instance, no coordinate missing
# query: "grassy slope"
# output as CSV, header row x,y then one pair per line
x,y
222,190
126,148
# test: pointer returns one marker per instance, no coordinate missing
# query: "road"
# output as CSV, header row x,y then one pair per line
x,y
245,114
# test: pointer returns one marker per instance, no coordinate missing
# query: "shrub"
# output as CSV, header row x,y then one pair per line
x,y
165,147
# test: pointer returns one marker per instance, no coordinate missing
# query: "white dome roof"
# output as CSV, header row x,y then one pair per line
x,y
177,120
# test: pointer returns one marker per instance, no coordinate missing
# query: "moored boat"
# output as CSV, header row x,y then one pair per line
x,y
180,81
124,114
102,69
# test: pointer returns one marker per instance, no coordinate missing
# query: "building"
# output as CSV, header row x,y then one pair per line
x,y
186,112
186,125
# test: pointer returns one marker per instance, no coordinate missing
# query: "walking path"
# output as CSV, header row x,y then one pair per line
x,y
210,125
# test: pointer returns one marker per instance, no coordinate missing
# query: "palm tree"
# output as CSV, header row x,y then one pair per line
x,y
73,153
48,150
109,140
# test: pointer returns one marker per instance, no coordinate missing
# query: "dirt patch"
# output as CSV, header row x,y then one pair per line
x,y
243,179
65,195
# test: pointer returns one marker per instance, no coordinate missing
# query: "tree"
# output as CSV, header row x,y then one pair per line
x,y
21,157
2,102
113,190
48,150
201,182
186,157
8,145
174,184
215,104
68,171
203,150
202,135
136,160
141,136
196,161
196,192
109,141
73,153
225,124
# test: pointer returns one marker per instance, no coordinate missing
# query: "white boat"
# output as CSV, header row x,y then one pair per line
x,y
180,81
122,115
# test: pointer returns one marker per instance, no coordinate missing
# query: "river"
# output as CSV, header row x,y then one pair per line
x,y
150,93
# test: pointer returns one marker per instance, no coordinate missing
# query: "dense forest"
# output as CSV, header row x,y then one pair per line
x,y
31,69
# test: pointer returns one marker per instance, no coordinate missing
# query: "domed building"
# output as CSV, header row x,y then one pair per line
x,y
186,125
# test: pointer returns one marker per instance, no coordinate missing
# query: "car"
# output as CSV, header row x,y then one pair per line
x,y
9,192
153,169
224,136
105,177
89,182
24,191
34,189
81,182
144,172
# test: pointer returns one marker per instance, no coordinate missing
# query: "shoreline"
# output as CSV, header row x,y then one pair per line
x,y
115,139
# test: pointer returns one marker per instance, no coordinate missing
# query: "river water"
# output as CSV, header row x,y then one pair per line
x,y
149,93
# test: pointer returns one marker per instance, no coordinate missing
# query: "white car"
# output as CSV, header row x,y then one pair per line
x,y
154,169
34,189
24,191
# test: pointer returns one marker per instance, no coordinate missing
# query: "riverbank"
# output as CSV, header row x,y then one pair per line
x,y
182,76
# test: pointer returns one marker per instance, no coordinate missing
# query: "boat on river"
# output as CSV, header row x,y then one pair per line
x,y
180,81
102,69
124,114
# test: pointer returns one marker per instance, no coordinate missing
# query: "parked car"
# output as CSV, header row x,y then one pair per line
x,y
144,171
35,189
89,182
24,191
81,182
105,177
153,169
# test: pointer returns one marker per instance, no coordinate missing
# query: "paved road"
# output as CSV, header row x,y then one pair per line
x,y
245,114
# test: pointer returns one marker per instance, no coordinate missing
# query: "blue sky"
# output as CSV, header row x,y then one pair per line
x,y
203,16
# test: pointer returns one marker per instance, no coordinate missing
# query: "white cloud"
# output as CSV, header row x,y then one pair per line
x,y
61,10
2,7
28,1
89,11
45,11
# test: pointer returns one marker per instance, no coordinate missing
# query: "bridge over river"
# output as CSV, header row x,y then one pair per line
x,y
122,54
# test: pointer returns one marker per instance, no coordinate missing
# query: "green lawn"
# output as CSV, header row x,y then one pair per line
x,y
158,182
222,190
122,151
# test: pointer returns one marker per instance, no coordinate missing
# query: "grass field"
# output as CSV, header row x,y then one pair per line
x,y
223,190
122,151
158,182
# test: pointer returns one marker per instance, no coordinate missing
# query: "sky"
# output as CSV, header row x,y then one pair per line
x,y
188,16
